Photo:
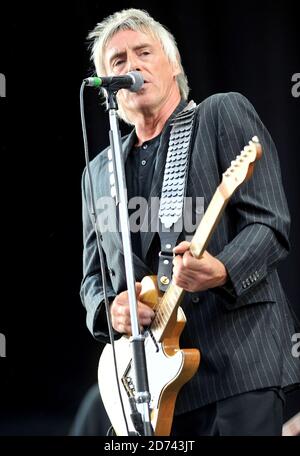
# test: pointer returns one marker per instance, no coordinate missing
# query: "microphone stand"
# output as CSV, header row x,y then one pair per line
x,y
142,395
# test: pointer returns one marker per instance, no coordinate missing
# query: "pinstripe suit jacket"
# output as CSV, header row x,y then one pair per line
x,y
244,329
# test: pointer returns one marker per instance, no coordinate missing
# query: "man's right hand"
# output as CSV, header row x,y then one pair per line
x,y
120,312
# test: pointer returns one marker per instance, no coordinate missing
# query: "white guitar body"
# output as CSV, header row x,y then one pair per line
x,y
163,371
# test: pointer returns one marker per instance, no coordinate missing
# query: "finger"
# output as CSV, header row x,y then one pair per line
x,y
182,247
177,261
187,285
120,308
187,261
125,329
121,299
122,325
145,321
138,288
145,311
180,282
190,277
191,263
181,267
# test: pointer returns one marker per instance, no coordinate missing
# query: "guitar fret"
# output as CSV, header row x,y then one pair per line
x,y
157,323
165,309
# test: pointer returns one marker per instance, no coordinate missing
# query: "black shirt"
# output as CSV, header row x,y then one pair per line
x,y
139,169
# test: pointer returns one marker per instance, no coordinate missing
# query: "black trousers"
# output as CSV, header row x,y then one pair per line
x,y
255,413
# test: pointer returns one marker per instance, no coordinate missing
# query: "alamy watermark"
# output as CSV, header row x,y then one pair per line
x,y
296,346
2,85
144,214
2,346
296,87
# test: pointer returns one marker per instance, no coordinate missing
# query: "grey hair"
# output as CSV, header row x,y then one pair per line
x,y
137,20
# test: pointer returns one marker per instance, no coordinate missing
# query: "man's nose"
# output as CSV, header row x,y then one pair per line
x,y
133,63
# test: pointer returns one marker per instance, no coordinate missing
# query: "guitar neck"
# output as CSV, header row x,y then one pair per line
x,y
172,298
208,223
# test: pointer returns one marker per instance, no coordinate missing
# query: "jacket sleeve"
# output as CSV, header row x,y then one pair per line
x,y
91,290
259,208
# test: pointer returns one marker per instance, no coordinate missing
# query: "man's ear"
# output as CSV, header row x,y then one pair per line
x,y
176,68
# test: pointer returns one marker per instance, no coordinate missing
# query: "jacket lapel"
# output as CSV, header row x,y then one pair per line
x,y
114,210
140,267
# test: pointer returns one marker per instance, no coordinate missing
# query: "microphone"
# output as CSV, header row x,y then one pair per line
x,y
132,81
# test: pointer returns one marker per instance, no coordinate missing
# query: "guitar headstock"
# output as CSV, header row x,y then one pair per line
x,y
241,168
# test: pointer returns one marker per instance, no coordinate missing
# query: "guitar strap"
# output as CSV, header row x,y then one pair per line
x,y
173,191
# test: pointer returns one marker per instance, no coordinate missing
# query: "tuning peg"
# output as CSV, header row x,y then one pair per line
x,y
247,149
254,139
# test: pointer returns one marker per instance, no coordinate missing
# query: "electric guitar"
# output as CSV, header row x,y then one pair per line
x,y
168,366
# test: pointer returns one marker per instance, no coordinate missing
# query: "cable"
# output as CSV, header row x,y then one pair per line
x,y
100,250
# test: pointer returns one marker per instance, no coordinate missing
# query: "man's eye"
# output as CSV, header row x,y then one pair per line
x,y
118,62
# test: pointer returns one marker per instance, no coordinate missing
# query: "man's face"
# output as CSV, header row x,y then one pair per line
x,y
130,50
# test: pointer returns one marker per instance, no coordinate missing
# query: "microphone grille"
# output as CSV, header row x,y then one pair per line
x,y
138,81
